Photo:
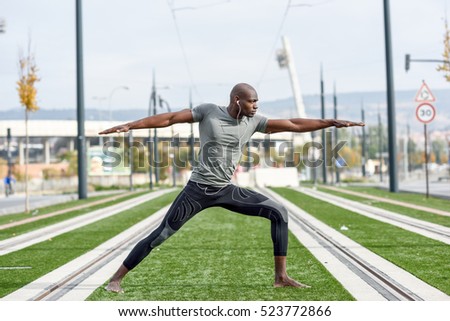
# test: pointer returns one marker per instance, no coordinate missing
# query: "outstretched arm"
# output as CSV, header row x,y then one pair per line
x,y
157,121
302,125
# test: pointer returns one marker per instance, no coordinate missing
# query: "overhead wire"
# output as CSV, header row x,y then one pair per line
x,y
277,37
280,29
183,50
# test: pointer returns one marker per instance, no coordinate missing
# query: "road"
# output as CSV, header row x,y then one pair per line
x,y
16,203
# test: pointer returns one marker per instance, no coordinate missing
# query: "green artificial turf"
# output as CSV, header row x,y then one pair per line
x,y
419,214
27,227
413,198
46,256
9,218
222,256
425,258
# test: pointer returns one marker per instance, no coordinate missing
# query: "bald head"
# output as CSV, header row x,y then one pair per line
x,y
242,90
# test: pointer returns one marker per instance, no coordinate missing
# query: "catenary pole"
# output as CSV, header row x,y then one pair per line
x,y
363,142
155,134
322,108
336,133
191,138
393,182
81,139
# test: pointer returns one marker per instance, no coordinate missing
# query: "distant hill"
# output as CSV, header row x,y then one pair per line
x,y
349,107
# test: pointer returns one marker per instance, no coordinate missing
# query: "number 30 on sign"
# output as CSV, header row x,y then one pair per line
x,y
425,113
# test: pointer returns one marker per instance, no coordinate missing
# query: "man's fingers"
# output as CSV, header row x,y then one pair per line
x,y
345,123
109,131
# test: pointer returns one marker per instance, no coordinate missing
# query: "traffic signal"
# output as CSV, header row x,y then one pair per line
x,y
407,61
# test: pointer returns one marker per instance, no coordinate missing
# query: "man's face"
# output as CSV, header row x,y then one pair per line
x,y
248,104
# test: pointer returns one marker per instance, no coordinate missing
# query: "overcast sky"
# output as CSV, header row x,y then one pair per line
x,y
209,45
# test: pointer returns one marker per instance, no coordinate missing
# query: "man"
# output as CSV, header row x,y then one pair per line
x,y
223,133
9,181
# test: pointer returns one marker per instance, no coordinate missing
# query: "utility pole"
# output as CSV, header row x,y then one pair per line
x,y
322,108
174,143
191,138
363,142
130,157
155,132
336,134
408,134
393,181
150,153
380,146
405,157
81,139
8,150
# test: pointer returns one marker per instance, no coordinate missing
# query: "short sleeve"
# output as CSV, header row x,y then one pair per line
x,y
261,123
200,111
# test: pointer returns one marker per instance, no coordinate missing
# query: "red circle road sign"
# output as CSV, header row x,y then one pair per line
x,y
425,113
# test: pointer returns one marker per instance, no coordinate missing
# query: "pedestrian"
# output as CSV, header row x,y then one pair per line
x,y
223,133
8,182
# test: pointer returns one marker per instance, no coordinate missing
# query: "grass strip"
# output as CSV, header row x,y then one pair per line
x,y
425,258
421,215
9,218
51,254
222,256
28,227
413,198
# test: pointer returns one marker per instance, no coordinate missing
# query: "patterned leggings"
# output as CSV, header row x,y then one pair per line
x,y
196,197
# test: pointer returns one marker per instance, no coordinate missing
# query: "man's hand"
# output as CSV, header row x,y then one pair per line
x,y
346,123
116,129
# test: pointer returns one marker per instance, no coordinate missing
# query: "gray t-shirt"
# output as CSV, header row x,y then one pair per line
x,y
221,140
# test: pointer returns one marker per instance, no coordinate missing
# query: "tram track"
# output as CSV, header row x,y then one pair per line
x,y
19,242
366,275
427,229
77,279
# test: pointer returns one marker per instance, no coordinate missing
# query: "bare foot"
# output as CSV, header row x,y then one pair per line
x,y
280,283
114,286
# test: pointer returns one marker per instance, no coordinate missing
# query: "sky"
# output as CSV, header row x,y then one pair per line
x,y
206,46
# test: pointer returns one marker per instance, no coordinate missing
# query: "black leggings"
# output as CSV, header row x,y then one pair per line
x,y
196,197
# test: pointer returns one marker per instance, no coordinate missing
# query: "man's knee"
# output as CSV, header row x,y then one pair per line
x,y
277,208
284,213
166,232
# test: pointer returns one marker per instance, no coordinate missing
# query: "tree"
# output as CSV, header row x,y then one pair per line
x,y
26,87
445,67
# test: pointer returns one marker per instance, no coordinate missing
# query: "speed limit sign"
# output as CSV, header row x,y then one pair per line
x,y
425,113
